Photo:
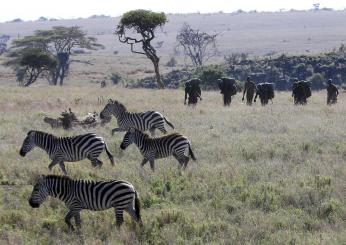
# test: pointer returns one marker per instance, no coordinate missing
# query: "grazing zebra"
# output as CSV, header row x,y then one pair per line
x,y
86,194
144,121
153,148
70,149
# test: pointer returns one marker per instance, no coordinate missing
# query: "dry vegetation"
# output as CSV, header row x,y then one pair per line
x,y
264,175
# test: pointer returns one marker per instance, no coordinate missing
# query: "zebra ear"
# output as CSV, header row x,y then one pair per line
x,y
34,179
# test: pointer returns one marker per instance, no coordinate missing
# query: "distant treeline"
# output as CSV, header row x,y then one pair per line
x,y
280,70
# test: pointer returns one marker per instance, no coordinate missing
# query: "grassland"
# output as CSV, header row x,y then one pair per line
x,y
264,175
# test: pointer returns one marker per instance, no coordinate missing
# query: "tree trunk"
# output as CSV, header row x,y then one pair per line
x,y
160,84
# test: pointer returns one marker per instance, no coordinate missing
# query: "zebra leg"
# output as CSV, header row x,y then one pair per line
x,y
179,159
78,221
62,166
68,217
152,165
186,161
144,161
119,217
132,212
53,163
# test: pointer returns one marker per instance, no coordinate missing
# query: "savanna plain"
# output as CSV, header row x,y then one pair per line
x,y
264,175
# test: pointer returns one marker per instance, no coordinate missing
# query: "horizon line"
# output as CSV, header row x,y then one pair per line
x,y
236,12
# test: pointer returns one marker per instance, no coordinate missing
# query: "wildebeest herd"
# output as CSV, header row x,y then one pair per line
x,y
301,91
121,195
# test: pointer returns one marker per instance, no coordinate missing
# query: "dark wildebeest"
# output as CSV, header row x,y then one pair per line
x,y
249,89
300,92
332,93
193,91
265,91
228,89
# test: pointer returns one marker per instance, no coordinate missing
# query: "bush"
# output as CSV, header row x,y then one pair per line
x,y
115,78
317,81
209,76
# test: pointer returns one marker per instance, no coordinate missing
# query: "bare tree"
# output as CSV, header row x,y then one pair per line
x,y
198,45
144,23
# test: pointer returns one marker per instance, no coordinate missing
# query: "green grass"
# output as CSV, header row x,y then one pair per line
x,y
264,175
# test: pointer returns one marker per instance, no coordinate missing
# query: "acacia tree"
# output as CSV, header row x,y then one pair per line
x,y
198,45
30,63
59,42
143,23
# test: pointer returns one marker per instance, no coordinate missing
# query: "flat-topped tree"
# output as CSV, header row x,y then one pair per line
x,y
59,42
30,63
144,23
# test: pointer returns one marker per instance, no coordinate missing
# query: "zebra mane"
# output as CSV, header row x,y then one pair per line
x,y
42,133
120,105
53,176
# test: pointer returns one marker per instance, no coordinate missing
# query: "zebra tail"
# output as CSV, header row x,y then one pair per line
x,y
110,156
192,154
168,122
138,207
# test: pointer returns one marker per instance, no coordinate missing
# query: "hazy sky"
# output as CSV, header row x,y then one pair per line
x,y
33,9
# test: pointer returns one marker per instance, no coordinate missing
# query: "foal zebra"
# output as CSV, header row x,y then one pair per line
x,y
144,121
153,148
70,149
86,194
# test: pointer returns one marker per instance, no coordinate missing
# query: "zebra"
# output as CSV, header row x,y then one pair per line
x,y
153,148
87,194
144,121
70,149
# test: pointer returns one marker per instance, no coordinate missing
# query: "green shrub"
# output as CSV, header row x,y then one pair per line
x,y
209,76
115,78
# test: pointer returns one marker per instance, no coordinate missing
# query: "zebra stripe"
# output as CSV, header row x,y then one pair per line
x,y
86,194
70,149
144,121
153,148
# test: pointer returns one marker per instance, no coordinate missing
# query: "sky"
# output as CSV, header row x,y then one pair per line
x,y
33,9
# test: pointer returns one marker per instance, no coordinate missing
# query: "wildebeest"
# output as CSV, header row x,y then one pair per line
x,y
265,91
193,91
300,92
228,89
332,93
249,89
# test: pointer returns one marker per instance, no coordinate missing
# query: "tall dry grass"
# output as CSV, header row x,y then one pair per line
x,y
264,175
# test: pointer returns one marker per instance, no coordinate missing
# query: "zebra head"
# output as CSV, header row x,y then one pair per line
x,y
39,193
113,107
129,139
28,143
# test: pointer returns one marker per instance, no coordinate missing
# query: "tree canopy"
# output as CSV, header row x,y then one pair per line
x,y
59,42
30,63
